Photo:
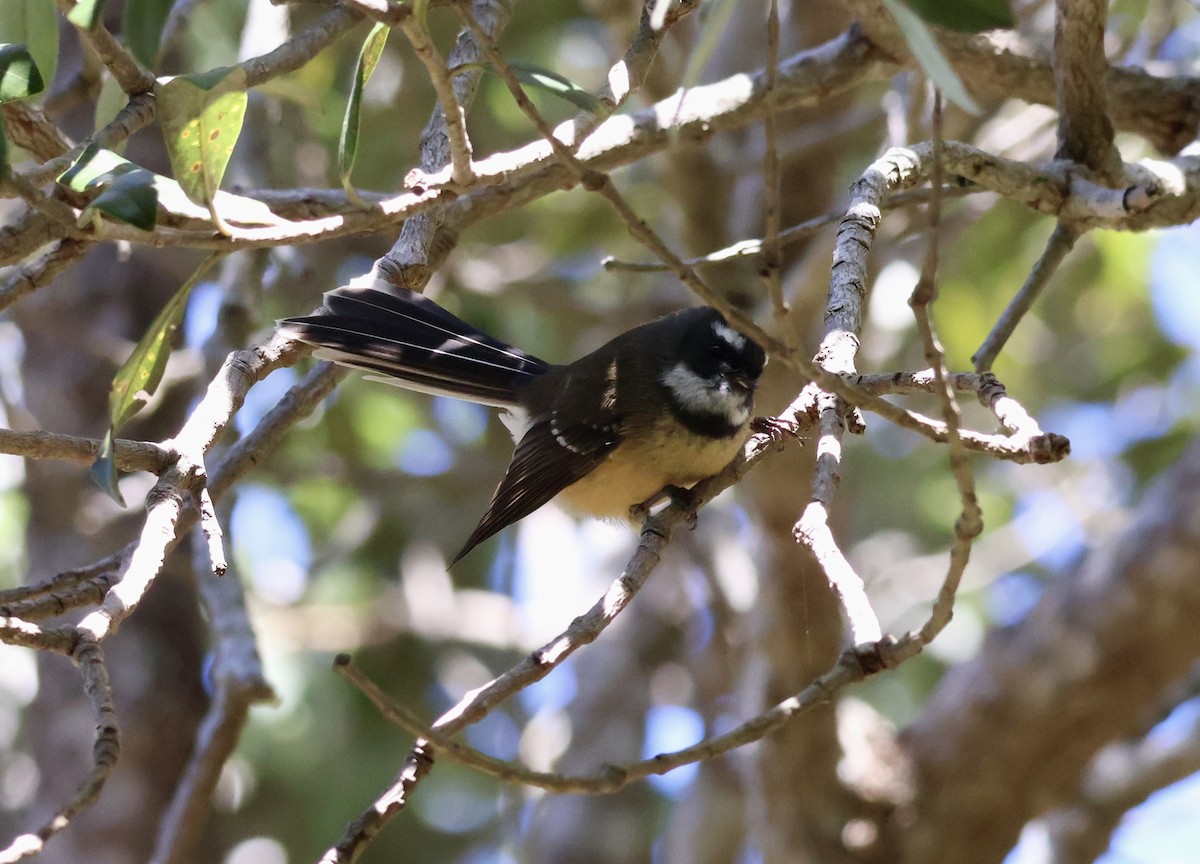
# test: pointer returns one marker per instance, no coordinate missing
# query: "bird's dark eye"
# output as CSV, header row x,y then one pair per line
x,y
716,352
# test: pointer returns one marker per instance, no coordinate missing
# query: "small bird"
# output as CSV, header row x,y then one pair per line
x,y
663,405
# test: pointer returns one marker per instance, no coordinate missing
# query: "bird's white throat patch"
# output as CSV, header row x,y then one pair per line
x,y
701,396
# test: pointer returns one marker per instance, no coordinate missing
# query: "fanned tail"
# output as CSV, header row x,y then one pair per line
x,y
408,340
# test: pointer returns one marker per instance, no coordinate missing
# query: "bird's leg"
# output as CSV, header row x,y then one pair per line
x,y
668,496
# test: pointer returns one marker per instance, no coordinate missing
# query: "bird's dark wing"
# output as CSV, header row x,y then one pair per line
x,y
548,459
408,340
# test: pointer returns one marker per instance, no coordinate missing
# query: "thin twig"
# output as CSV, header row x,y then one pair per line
x,y
166,502
106,749
443,86
610,778
770,261
627,76
836,360
583,630
970,521
787,236
87,586
71,589
1025,441
299,401
1061,241
595,181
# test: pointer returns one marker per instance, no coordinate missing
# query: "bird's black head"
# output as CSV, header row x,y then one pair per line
x,y
710,386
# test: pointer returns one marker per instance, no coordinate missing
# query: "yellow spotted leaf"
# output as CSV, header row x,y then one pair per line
x,y
201,117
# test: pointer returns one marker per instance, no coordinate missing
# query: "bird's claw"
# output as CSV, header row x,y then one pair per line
x,y
778,428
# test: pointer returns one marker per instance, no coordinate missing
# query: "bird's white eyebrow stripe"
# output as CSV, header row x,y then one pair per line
x,y
727,333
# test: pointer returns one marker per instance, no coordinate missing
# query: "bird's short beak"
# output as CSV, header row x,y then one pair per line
x,y
742,381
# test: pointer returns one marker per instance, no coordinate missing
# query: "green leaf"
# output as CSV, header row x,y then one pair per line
x,y
202,117
86,14
33,23
130,197
142,26
104,470
19,75
965,16
140,375
92,162
136,381
96,167
368,59
927,53
552,82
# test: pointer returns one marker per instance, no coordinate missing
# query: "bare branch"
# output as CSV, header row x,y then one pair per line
x,y
610,778
87,586
72,589
453,115
922,381
999,66
239,683
14,631
32,130
407,263
130,455
166,502
105,751
303,46
123,66
627,76
210,528
300,401
43,271
1085,132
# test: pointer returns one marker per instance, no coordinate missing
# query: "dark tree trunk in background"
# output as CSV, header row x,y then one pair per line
x,y
75,336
